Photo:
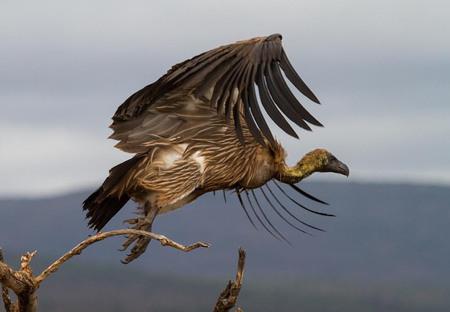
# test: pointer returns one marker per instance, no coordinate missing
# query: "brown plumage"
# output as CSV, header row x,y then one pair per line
x,y
200,128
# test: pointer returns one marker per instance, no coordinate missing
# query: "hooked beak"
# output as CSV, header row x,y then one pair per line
x,y
338,167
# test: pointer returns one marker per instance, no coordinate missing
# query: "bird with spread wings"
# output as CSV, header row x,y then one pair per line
x,y
201,128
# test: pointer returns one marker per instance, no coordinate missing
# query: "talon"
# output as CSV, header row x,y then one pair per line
x,y
128,242
142,223
137,250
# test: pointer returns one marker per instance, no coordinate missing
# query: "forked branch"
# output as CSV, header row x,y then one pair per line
x,y
25,285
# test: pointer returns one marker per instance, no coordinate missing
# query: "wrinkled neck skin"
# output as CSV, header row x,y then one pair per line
x,y
295,174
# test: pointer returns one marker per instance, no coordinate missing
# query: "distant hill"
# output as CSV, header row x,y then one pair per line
x,y
387,248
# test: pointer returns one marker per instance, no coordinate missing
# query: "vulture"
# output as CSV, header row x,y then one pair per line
x,y
202,127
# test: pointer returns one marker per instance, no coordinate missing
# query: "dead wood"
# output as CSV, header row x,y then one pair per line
x,y
24,284
228,297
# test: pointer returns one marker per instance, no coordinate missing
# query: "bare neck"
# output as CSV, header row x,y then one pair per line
x,y
295,173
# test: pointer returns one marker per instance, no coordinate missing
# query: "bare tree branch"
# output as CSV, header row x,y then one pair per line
x,y
5,292
21,282
230,294
101,236
25,285
6,299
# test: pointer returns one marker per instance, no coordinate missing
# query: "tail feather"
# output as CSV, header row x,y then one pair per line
x,y
100,212
106,201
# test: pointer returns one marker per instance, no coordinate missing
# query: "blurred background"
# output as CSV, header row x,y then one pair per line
x,y
382,72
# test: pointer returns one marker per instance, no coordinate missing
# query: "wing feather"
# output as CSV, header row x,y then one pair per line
x,y
251,99
290,97
295,78
284,105
271,107
221,82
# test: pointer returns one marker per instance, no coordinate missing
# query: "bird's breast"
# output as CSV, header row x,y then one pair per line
x,y
231,166
260,169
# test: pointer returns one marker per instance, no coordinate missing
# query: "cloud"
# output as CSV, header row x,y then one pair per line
x,y
381,70
45,160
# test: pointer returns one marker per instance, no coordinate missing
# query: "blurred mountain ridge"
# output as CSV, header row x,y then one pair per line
x,y
388,243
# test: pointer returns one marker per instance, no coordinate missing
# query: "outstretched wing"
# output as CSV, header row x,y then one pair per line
x,y
217,85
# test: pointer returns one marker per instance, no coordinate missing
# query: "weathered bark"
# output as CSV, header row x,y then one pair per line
x,y
228,297
21,282
24,284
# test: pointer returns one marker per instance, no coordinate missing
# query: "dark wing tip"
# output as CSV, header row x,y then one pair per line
x,y
239,66
293,76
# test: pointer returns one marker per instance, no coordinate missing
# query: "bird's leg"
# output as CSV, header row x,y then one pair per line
x,y
143,223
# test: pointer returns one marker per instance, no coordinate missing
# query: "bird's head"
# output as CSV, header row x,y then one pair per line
x,y
321,160
318,160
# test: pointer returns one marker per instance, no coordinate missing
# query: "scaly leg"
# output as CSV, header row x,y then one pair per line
x,y
143,223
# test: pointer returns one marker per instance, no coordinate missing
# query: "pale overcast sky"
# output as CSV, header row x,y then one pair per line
x,y
380,68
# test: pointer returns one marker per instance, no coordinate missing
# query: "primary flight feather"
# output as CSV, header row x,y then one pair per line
x,y
201,128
